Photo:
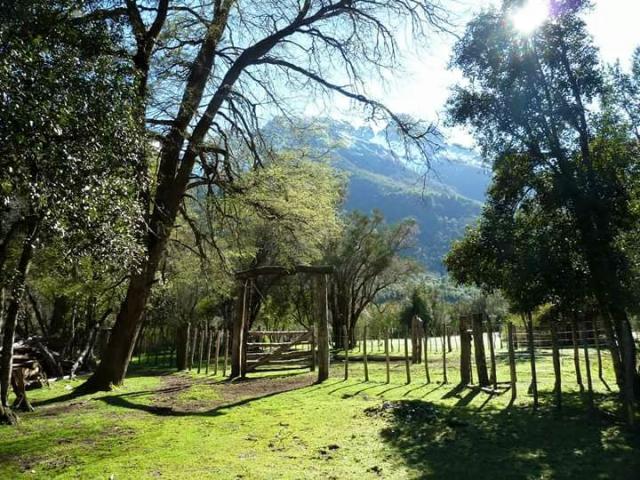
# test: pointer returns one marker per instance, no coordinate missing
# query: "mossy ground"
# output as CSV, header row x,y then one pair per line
x,y
168,425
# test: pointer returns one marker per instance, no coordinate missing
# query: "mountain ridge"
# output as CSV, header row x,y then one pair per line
x,y
443,200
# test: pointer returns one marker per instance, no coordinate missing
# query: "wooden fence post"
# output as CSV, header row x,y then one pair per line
x,y
237,346
557,372
226,352
313,348
596,336
445,380
512,363
203,333
216,356
406,357
492,355
426,360
322,317
386,354
587,368
532,357
209,342
364,354
576,351
346,352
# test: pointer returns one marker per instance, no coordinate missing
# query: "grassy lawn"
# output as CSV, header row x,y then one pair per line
x,y
167,425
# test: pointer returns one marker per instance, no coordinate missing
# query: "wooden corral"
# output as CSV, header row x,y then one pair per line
x,y
246,356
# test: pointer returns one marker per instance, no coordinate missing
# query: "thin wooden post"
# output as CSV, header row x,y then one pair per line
x,y
406,357
200,353
512,363
492,355
364,354
596,336
557,372
445,380
209,342
576,351
238,332
313,348
346,352
216,355
323,327
426,360
587,368
226,352
386,355
532,358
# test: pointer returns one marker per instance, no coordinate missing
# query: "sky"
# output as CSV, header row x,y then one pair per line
x,y
423,87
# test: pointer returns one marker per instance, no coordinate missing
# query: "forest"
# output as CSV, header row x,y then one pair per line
x,y
198,280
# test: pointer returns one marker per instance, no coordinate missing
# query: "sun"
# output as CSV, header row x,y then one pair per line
x,y
530,16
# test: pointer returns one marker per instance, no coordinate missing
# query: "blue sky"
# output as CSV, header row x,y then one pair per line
x,y
421,89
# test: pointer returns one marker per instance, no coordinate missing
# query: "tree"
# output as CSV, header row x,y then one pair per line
x,y
207,72
367,261
528,101
68,147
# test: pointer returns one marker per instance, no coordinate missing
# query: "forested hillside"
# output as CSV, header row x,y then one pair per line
x,y
443,196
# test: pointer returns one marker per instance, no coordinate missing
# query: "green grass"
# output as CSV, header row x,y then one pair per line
x,y
166,425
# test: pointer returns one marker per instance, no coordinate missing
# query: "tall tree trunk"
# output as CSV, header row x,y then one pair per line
x,y
17,292
114,364
478,342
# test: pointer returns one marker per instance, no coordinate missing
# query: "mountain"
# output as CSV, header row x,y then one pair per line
x,y
443,201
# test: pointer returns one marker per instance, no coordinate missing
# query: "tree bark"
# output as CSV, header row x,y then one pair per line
x,y
17,292
465,353
478,342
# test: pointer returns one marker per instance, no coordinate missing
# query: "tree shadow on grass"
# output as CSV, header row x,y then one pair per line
x,y
234,394
515,443
124,401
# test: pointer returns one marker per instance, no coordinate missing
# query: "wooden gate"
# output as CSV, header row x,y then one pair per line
x,y
280,350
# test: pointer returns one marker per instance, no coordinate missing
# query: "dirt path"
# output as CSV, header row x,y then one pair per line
x,y
225,393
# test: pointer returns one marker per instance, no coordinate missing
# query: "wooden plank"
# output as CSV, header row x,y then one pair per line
x,y
276,354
